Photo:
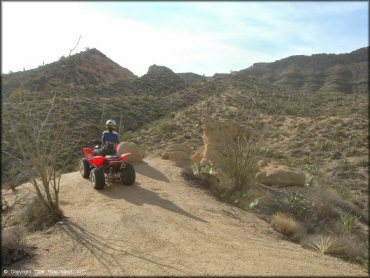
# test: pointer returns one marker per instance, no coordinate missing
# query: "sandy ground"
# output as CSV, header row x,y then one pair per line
x,y
161,226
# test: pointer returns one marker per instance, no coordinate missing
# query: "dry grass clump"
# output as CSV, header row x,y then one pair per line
x,y
344,246
12,245
323,244
284,224
37,216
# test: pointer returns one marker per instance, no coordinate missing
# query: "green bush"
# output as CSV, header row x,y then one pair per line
x,y
167,128
348,222
205,167
297,204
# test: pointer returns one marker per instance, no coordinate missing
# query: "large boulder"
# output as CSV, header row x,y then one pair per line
x,y
280,175
178,154
215,135
130,147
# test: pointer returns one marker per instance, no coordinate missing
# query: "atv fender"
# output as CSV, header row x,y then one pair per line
x,y
124,156
98,160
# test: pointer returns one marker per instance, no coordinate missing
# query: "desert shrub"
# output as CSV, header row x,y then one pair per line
x,y
201,173
363,162
352,151
311,180
297,204
325,204
13,247
167,128
271,153
348,222
346,170
323,244
324,145
37,216
237,166
352,248
147,126
284,224
302,126
205,167
364,263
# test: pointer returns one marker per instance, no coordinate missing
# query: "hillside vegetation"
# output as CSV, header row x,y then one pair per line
x,y
86,68
346,73
318,127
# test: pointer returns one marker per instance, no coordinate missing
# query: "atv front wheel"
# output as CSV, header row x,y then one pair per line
x,y
128,175
85,168
97,178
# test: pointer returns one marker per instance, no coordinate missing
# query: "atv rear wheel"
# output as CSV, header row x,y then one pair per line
x,y
97,178
85,168
128,175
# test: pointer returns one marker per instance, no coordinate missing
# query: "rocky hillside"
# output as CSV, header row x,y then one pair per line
x,y
158,80
137,103
323,135
191,78
83,69
347,73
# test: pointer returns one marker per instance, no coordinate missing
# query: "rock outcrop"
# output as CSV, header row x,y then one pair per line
x,y
178,154
130,147
215,135
280,175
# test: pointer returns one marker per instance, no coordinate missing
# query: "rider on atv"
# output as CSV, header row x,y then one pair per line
x,y
109,138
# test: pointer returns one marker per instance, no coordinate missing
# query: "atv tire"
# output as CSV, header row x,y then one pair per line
x,y
128,175
85,168
97,178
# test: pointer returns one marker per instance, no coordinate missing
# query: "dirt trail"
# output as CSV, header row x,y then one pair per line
x,y
161,226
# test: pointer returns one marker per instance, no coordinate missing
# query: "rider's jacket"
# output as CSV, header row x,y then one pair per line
x,y
109,138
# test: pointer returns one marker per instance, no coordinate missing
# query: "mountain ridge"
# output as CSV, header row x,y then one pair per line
x,y
346,73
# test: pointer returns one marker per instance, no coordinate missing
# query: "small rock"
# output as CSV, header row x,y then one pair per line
x,y
178,154
130,147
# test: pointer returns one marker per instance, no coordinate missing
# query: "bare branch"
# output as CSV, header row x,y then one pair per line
x,y
47,117
75,46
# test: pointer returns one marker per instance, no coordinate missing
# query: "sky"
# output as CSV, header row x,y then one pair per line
x,y
201,37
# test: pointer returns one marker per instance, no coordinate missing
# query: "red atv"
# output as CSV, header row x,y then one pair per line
x,y
109,167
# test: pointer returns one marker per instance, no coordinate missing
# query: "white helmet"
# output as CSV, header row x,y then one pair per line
x,y
111,124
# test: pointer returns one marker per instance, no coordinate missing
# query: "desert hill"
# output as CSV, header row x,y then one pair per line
x,y
190,77
90,67
159,95
137,101
323,135
158,80
347,73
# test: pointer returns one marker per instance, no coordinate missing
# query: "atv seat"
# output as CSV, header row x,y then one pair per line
x,y
105,152
112,157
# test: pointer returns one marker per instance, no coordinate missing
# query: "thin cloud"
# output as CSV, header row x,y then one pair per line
x,y
202,37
